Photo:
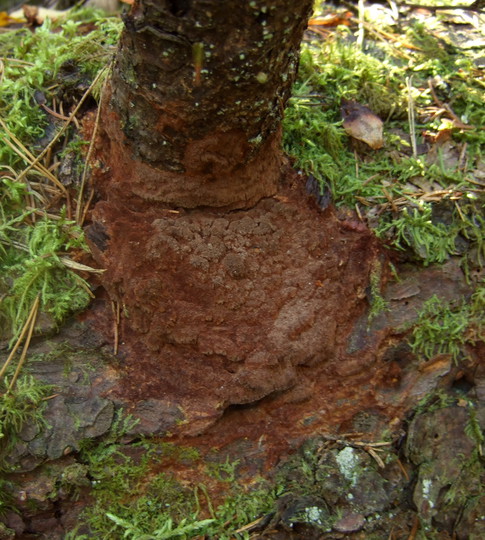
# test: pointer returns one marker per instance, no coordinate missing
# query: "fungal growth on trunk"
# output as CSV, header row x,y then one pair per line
x,y
231,285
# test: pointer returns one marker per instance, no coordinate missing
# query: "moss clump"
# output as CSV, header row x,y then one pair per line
x,y
397,192
32,264
34,241
442,328
136,495
31,67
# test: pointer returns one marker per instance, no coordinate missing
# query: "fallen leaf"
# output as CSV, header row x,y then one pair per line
x,y
335,19
7,20
36,15
362,124
438,137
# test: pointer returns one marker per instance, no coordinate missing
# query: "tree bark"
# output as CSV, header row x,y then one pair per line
x,y
197,97
220,307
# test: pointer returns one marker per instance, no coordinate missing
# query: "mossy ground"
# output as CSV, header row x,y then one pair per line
x,y
422,204
37,226
426,205
137,493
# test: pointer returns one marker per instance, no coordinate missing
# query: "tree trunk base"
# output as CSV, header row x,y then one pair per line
x,y
222,170
224,309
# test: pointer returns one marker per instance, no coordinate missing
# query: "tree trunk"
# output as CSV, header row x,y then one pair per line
x,y
221,307
198,90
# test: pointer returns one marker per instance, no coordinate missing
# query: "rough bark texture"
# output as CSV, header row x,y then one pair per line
x,y
221,307
197,96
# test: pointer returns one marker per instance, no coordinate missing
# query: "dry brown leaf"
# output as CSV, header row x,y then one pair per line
x,y
36,15
334,19
7,20
439,137
362,124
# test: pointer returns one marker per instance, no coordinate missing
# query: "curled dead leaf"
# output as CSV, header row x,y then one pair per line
x,y
34,15
333,19
362,124
7,20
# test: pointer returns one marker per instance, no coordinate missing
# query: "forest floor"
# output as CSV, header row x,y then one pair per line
x,y
384,134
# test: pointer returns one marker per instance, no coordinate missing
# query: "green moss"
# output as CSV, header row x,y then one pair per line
x,y
468,486
443,328
23,405
224,472
415,229
31,264
31,247
241,507
473,430
378,304
339,69
435,400
135,494
186,528
30,66
335,69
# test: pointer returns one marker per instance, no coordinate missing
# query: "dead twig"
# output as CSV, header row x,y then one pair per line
x,y
445,107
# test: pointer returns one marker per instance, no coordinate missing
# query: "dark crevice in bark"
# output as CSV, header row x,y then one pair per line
x,y
179,7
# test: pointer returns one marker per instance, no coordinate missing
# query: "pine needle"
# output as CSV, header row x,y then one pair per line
x,y
27,329
31,325
80,215
67,123
412,123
